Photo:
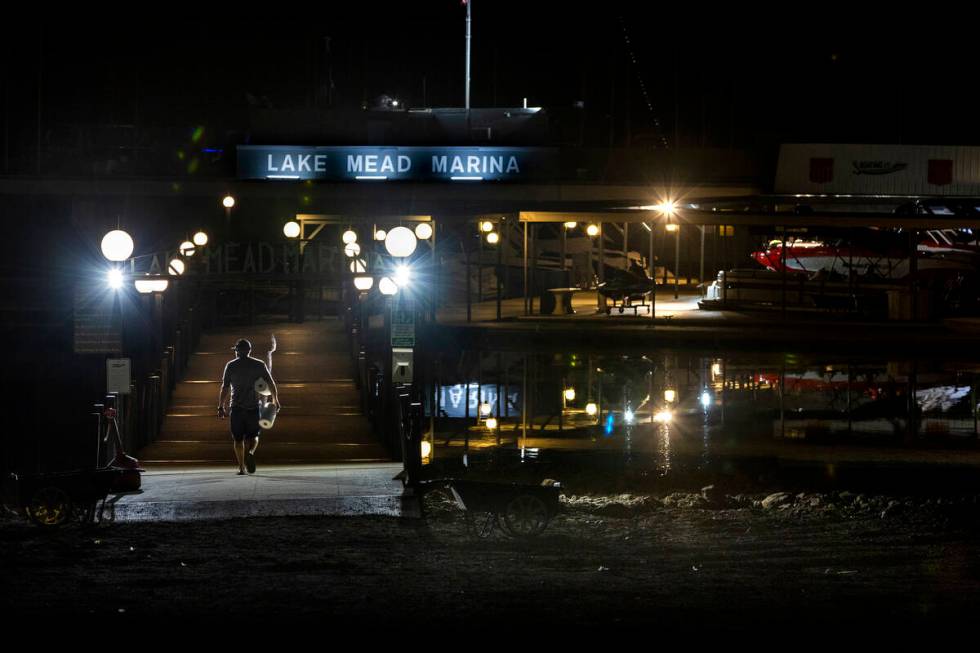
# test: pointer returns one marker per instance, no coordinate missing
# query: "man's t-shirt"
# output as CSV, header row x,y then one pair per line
x,y
241,374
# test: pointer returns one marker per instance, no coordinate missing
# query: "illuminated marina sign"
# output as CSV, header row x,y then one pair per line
x,y
395,163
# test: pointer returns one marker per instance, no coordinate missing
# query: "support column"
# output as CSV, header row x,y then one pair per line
x,y
602,266
677,261
914,273
701,269
526,308
653,274
498,272
973,403
469,302
782,256
534,267
782,399
524,407
434,299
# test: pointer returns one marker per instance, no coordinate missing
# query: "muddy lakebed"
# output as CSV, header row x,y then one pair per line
x,y
679,560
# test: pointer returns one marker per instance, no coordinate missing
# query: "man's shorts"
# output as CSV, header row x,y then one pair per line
x,y
244,423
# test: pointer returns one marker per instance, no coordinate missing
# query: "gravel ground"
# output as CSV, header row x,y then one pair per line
x,y
707,561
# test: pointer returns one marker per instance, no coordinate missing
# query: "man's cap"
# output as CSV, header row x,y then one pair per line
x,y
243,345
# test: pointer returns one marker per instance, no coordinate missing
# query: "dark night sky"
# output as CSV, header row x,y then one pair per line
x,y
748,80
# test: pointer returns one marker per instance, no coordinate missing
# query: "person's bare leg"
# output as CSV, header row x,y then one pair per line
x,y
253,444
240,454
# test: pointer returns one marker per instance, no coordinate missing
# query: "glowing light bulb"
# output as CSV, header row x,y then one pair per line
x,y
115,278
402,276
117,245
291,229
400,241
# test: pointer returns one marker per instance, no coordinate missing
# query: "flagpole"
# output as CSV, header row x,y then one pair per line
x,y
469,4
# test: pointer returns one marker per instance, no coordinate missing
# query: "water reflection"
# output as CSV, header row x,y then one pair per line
x,y
669,411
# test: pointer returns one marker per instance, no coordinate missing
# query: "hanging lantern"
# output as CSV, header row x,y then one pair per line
x,y
350,236
423,231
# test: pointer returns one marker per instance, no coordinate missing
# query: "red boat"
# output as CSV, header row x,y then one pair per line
x,y
876,254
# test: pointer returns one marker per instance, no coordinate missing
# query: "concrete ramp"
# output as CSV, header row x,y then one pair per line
x,y
202,493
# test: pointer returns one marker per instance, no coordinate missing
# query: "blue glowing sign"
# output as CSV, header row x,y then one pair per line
x,y
454,399
463,164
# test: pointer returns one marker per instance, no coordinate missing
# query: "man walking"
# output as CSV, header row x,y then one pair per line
x,y
239,381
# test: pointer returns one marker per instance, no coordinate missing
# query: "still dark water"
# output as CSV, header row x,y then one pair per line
x,y
688,417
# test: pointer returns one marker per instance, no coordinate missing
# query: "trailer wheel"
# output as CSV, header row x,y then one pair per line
x,y
50,506
525,516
